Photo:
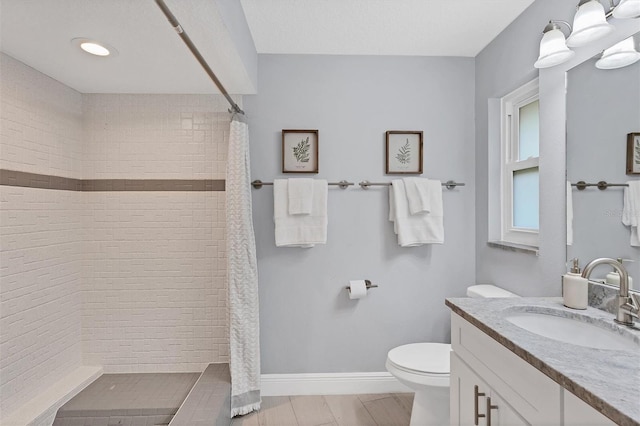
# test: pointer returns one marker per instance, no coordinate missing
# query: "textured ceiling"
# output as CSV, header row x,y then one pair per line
x,y
379,27
151,59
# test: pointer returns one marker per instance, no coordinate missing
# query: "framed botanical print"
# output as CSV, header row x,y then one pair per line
x,y
633,154
299,151
404,152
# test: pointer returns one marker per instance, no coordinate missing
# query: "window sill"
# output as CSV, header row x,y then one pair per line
x,y
518,248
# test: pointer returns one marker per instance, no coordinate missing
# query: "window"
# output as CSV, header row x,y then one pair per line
x,y
520,143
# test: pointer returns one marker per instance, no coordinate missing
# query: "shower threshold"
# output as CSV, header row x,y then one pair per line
x,y
150,399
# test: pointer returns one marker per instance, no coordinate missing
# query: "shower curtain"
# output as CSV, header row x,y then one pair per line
x,y
242,273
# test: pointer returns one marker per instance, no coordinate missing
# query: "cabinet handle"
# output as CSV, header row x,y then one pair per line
x,y
476,403
489,408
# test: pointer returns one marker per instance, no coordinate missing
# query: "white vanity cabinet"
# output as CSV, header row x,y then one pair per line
x,y
579,413
492,386
477,403
515,393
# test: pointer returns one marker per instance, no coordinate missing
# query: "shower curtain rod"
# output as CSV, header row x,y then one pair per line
x,y
183,35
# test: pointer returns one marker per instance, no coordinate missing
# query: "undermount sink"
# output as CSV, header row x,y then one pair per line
x,y
573,331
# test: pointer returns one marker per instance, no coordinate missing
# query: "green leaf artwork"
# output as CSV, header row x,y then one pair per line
x,y
301,151
637,152
404,153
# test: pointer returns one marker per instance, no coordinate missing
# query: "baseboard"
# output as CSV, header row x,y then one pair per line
x,y
330,384
41,410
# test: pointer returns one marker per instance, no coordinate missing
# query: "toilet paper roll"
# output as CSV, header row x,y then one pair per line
x,y
358,289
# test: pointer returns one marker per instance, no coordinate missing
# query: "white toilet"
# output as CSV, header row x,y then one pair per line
x,y
424,367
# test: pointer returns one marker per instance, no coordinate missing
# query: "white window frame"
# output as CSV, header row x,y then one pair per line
x,y
509,141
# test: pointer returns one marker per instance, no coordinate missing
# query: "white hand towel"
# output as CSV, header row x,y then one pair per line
x,y
420,194
631,210
415,230
300,196
569,214
300,230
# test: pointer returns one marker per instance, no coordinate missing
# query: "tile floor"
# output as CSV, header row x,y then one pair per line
x,y
331,410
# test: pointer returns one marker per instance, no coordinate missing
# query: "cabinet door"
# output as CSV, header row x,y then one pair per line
x,y
467,395
471,400
502,414
578,413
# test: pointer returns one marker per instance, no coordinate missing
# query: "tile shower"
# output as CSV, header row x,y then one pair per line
x,y
129,280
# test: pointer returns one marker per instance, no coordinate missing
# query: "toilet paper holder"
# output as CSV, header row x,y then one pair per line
x,y
366,282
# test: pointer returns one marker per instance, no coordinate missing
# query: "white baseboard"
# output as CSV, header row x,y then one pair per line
x,y
41,410
330,384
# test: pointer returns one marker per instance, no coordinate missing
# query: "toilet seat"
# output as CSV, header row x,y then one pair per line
x,y
421,363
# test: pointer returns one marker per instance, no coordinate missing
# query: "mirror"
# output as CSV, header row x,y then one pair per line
x,y
603,106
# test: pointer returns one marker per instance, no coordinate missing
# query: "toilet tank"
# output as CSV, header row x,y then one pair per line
x,y
488,290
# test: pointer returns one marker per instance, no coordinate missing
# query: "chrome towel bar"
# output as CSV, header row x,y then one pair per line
x,y
602,185
343,184
365,184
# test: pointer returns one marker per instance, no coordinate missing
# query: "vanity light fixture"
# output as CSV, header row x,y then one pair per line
x,y
553,46
589,24
627,9
619,55
94,47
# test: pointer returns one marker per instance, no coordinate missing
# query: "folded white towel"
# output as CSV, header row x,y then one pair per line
x,y
569,214
631,210
300,230
415,230
420,193
300,196
424,195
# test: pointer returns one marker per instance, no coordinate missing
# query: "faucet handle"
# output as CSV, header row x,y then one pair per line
x,y
632,306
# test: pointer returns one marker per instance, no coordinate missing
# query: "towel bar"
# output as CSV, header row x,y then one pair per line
x,y
602,185
365,184
343,184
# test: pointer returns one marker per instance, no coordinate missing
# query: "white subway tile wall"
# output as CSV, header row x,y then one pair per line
x,y
133,281
154,278
41,128
40,238
155,136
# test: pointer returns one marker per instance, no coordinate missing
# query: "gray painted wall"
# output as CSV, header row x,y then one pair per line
x,y
308,324
602,107
505,64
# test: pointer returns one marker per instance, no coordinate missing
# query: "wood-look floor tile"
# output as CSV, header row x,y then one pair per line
x,y
250,419
406,400
348,410
388,411
312,411
277,411
373,396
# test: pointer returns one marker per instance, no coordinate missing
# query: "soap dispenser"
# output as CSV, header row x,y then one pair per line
x,y
575,288
613,278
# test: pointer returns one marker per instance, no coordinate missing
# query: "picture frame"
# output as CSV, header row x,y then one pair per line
x,y
300,151
633,153
404,152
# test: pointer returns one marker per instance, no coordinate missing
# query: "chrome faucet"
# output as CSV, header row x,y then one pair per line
x,y
628,303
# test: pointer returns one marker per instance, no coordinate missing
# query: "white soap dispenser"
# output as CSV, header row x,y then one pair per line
x,y
575,288
613,278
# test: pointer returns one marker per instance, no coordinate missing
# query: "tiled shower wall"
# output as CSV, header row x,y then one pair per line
x,y
133,281
154,268
40,235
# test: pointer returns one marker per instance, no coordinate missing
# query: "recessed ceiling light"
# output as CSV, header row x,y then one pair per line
x,y
94,47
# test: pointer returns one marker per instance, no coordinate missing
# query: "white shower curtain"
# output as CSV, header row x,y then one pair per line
x,y
242,272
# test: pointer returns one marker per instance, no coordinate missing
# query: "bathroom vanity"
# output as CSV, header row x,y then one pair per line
x,y
504,374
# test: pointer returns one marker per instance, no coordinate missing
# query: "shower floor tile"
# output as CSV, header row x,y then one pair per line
x,y
128,400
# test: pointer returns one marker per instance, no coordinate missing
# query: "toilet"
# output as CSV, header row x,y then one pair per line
x,y
424,367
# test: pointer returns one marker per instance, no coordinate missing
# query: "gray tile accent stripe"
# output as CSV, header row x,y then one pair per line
x,y
34,180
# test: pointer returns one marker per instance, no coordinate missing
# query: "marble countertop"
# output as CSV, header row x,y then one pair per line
x,y
608,380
